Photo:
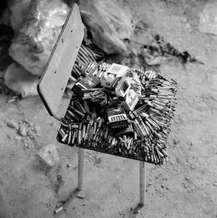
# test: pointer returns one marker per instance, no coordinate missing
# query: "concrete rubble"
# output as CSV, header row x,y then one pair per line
x,y
49,156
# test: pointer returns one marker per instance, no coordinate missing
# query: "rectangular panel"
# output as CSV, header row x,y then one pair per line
x,y
54,80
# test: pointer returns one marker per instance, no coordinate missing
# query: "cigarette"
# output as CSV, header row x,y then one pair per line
x,y
79,133
87,131
64,138
58,210
78,112
86,107
80,107
106,132
94,127
61,132
69,137
135,135
73,137
83,131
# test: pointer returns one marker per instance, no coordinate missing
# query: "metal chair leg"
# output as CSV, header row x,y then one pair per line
x,y
80,168
142,182
141,188
78,191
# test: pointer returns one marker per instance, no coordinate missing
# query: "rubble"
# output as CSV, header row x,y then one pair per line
x,y
24,128
109,24
159,51
20,81
22,131
36,38
49,156
18,10
27,143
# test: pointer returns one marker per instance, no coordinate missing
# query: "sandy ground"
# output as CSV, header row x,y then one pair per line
x,y
185,187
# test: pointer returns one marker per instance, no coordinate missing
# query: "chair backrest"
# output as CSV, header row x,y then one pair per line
x,y
58,70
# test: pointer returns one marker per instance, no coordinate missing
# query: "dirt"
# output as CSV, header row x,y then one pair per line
x,y
184,187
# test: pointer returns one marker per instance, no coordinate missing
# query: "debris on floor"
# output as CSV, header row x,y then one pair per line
x,y
156,52
49,155
18,11
24,128
22,131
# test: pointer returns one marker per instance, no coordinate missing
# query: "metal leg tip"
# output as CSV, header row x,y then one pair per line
x,y
137,209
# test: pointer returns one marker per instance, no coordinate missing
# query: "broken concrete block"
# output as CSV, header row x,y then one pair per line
x,y
18,10
21,81
38,34
22,131
49,155
109,23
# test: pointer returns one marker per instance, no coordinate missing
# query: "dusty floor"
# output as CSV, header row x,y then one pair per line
x,y
185,187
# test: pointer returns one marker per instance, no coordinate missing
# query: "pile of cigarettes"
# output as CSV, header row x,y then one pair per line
x,y
120,111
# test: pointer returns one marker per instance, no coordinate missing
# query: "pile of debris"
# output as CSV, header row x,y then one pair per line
x,y
29,30
33,29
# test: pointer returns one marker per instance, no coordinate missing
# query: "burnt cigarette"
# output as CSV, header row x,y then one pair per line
x,y
106,132
135,135
94,127
86,107
159,154
138,129
79,105
78,112
83,131
79,133
100,122
152,123
65,137
73,137
69,137
58,210
110,139
71,114
143,125
152,157
61,132
87,131
140,126
90,131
